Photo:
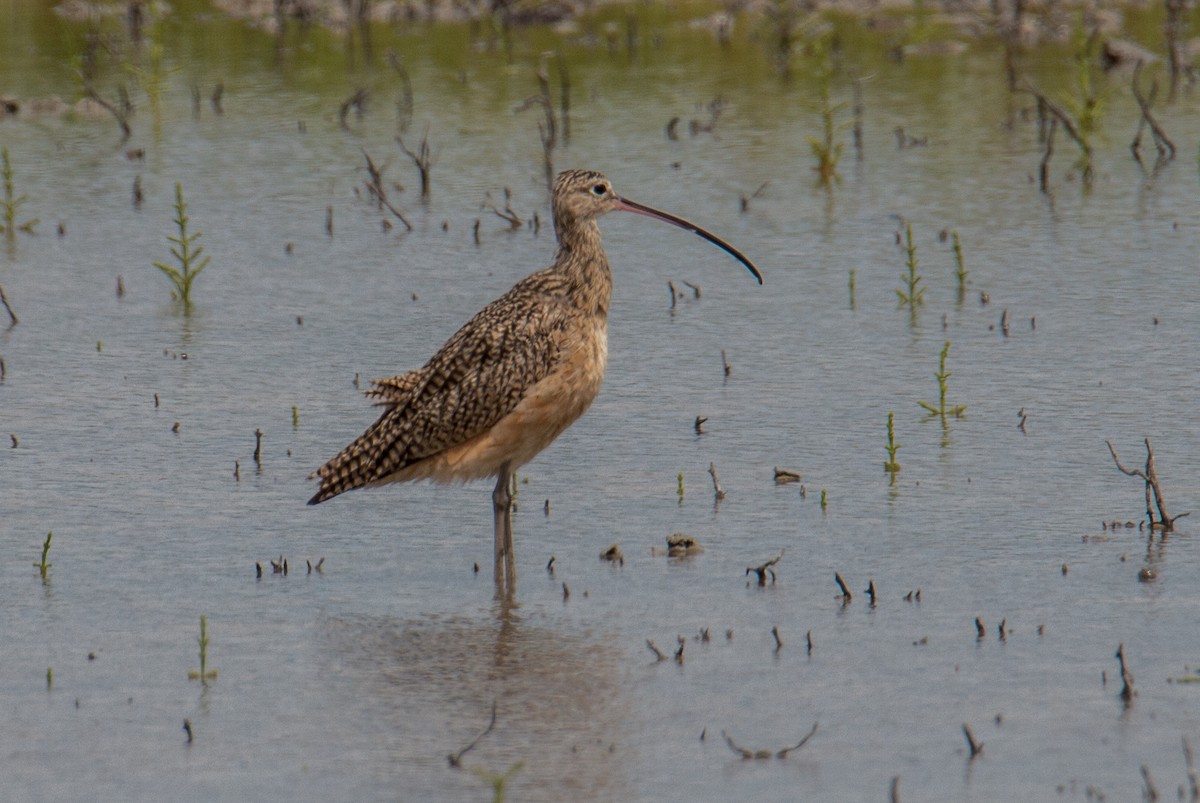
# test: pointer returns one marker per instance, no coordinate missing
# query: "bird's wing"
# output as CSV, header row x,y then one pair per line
x,y
473,381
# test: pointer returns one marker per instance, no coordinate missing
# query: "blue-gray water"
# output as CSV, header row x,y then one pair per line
x,y
357,682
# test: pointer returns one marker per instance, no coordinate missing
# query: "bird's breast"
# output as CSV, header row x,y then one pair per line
x,y
546,408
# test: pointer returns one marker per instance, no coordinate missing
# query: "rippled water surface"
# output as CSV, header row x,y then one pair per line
x,y
128,418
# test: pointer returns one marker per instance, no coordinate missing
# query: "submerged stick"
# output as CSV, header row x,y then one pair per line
x,y
455,759
12,315
747,753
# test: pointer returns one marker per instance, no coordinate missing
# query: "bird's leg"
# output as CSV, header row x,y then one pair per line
x,y
505,569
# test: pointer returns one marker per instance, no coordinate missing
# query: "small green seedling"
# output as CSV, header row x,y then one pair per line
x,y
43,567
827,150
891,465
11,201
960,268
824,499
498,782
680,489
205,674
912,295
295,417
188,254
942,377
49,678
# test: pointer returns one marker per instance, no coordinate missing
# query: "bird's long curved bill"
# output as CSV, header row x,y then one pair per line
x,y
641,209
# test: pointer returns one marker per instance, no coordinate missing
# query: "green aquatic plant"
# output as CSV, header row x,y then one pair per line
x,y
827,149
943,377
911,294
498,782
185,251
11,201
205,674
152,77
891,465
960,268
1085,102
43,566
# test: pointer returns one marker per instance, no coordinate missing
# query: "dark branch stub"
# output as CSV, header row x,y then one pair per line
x,y
976,747
765,569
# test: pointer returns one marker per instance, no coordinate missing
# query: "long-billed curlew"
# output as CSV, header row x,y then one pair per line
x,y
509,381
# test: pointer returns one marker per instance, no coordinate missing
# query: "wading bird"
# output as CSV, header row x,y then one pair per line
x,y
509,381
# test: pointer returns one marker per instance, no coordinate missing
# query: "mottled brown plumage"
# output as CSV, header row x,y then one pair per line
x,y
509,381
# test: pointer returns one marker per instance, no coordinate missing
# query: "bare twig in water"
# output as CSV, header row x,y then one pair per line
x,y
975,746
358,102
1150,793
1162,143
455,759
548,130
980,629
846,595
778,638
765,569
718,491
1193,778
658,654
508,214
423,159
725,363
7,308
746,199
698,425
121,116
374,184
747,753
1044,167
1166,523
1069,126
1127,691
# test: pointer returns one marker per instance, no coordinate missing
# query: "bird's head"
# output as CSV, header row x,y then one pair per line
x,y
581,196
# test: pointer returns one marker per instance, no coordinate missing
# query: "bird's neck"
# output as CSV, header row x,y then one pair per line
x,y
583,262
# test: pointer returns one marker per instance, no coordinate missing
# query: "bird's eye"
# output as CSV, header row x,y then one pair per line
x,y
599,189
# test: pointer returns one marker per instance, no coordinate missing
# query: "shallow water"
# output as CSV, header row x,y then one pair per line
x,y
357,682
